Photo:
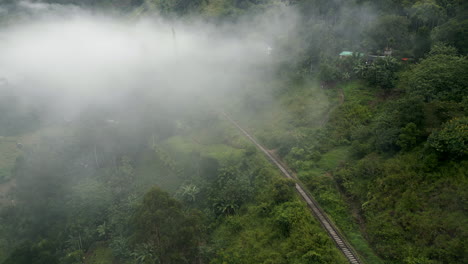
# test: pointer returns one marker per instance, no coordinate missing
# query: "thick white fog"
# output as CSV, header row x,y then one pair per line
x,y
72,58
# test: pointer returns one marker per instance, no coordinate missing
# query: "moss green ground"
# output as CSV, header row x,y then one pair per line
x,y
100,255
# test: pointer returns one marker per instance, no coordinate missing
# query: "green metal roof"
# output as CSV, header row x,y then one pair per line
x,y
350,53
346,53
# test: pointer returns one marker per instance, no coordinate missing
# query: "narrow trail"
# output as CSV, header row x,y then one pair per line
x,y
319,214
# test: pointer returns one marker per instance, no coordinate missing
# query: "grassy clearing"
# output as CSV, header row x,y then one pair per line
x,y
356,91
273,117
149,172
178,145
100,255
333,158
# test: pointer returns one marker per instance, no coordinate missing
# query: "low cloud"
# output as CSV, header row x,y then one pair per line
x,y
72,57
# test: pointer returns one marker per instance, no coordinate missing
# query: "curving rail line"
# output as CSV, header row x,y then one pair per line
x,y
332,231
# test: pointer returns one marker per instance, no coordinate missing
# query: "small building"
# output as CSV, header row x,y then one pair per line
x,y
347,54
372,58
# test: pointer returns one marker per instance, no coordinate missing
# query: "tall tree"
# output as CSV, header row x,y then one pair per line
x,y
164,231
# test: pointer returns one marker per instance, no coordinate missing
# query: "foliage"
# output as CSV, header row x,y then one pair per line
x,y
389,31
405,166
408,137
27,253
454,32
427,13
100,255
401,185
452,139
439,77
75,257
9,152
274,232
381,73
163,231
178,6
230,190
328,72
442,49
392,164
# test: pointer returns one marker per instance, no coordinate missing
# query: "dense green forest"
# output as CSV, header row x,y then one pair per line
x,y
365,101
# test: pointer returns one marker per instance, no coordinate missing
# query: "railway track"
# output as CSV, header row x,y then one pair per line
x,y
319,214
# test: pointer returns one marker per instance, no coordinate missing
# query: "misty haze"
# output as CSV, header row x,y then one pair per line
x,y
233,131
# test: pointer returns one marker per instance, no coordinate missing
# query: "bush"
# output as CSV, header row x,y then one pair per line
x,y
439,77
381,73
282,190
452,138
329,73
408,137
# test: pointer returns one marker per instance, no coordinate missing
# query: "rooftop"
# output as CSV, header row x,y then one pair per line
x,y
350,53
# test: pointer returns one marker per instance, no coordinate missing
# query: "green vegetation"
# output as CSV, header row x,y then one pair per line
x,y
304,147
100,255
109,212
8,154
395,160
379,139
